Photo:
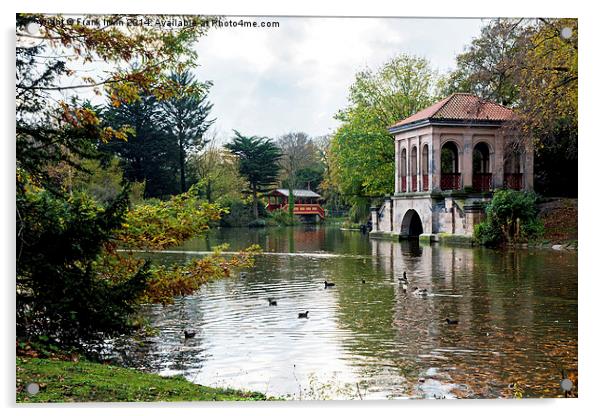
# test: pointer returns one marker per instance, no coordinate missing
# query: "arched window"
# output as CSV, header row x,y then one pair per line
x,y
414,168
403,169
481,167
450,175
424,167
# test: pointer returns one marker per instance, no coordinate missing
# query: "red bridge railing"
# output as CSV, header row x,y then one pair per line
x,y
306,209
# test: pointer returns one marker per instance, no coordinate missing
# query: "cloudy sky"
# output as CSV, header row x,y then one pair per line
x,y
269,81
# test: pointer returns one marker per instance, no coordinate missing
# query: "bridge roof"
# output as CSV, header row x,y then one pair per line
x,y
302,193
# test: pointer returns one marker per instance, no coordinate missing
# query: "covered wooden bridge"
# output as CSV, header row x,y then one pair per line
x,y
307,202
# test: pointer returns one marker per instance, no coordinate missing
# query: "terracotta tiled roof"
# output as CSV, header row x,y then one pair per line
x,y
460,106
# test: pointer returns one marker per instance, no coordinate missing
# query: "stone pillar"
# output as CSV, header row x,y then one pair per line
x,y
397,167
435,161
497,162
429,164
467,161
408,165
418,164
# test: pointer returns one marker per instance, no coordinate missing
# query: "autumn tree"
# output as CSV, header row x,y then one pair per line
x,y
73,286
216,171
258,163
531,66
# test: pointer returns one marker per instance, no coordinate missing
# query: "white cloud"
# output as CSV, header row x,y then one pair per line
x,y
268,81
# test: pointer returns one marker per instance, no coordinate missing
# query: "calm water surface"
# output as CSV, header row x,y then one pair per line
x,y
517,313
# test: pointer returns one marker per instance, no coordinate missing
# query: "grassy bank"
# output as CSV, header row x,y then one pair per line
x,y
83,381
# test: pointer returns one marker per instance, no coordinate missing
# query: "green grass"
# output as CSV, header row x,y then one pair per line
x,y
84,381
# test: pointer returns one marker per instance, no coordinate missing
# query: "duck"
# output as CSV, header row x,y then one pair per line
x,y
303,314
327,284
403,279
363,280
420,292
451,321
189,334
272,302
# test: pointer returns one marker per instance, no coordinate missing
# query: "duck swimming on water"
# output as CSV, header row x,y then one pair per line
x,y
451,321
189,334
403,279
303,314
420,292
272,302
327,284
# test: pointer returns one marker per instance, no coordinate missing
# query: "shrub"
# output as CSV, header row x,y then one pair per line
x,y
511,217
281,217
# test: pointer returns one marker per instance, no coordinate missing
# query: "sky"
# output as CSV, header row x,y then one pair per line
x,y
272,80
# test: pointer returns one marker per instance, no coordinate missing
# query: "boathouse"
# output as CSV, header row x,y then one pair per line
x,y
449,158
307,203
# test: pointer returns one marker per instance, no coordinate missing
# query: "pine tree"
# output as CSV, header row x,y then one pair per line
x,y
258,163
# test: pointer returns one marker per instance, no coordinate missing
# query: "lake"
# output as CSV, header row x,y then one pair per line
x,y
365,338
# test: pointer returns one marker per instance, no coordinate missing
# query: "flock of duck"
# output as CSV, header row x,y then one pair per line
x,y
403,281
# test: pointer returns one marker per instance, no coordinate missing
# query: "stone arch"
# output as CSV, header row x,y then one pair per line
x,y
403,169
424,167
481,167
411,225
450,165
414,169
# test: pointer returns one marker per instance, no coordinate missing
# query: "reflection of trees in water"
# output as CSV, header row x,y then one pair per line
x,y
514,310
514,315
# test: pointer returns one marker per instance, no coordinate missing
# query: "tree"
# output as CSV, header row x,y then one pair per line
x,y
185,117
149,154
362,152
529,65
258,163
216,171
73,286
297,151
486,67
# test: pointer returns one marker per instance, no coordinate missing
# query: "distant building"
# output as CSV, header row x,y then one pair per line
x,y
307,203
449,158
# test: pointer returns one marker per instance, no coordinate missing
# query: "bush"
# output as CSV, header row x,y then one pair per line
x,y
60,294
511,217
240,213
281,217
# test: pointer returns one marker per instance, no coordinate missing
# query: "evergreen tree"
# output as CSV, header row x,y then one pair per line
x,y
185,118
258,163
149,154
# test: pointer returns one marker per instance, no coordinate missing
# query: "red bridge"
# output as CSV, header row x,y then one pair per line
x,y
306,202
